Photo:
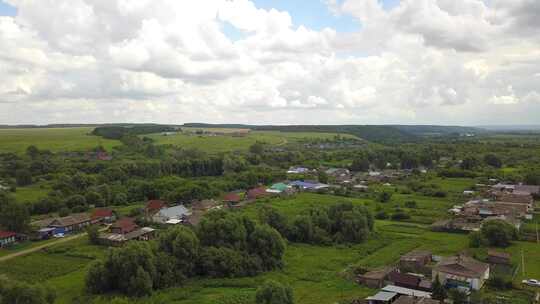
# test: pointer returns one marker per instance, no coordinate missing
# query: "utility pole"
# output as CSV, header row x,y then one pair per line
x,y
537,236
522,263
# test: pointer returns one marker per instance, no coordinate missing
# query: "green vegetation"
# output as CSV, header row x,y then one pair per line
x,y
228,143
53,139
330,235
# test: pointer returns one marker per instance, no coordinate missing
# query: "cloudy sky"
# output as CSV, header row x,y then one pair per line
x,y
467,62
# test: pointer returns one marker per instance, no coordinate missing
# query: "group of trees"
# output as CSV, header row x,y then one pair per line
x,y
339,223
495,233
14,216
223,245
13,292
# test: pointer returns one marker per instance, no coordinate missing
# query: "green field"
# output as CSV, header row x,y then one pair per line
x,y
53,139
226,143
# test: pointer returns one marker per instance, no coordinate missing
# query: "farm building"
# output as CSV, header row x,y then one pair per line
x,y
382,297
375,278
7,238
404,279
461,271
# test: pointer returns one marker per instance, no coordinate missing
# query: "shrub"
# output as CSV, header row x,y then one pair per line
x,y
272,292
400,215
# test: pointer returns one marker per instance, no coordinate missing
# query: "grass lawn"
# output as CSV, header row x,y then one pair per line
x,y
53,139
225,143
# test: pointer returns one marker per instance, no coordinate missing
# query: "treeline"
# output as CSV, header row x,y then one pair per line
x,y
339,223
223,245
117,132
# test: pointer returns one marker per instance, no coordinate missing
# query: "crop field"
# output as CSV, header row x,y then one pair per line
x,y
53,139
226,143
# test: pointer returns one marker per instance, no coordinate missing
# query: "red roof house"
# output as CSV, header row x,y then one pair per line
x,y
256,193
124,225
232,198
102,215
155,205
7,238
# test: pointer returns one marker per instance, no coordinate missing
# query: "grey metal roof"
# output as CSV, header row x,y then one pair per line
x,y
383,296
174,212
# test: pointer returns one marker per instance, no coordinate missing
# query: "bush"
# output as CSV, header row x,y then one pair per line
x,y
381,215
410,204
384,196
400,216
476,239
500,283
272,292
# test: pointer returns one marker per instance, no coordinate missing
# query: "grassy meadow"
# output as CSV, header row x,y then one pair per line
x,y
53,139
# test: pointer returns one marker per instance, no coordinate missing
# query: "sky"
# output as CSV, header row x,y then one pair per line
x,y
446,62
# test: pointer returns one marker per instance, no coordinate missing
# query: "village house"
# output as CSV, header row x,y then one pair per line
x,y
123,226
257,193
124,230
103,215
498,257
461,271
231,198
415,259
152,207
7,238
70,223
173,215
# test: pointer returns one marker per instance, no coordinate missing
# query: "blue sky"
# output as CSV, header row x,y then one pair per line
x,y
6,9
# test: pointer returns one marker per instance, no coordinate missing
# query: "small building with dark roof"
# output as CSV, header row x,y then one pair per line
x,y
498,257
415,259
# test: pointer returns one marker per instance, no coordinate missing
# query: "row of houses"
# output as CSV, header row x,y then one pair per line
x,y
410,281
507,202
